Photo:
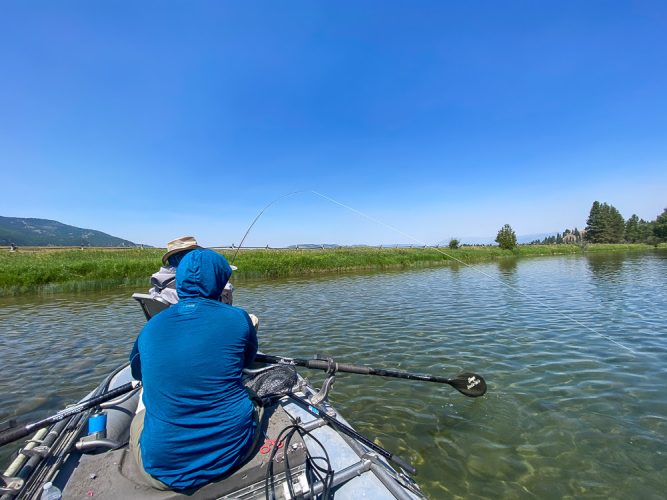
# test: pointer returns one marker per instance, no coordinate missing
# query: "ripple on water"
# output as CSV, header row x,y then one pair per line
x,y
568,414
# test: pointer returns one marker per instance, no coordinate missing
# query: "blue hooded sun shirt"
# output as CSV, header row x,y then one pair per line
x,y
199,418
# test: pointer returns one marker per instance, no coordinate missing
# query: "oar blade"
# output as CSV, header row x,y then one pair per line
x,y
470,384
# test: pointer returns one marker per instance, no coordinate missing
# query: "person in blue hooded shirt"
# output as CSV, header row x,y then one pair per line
x,y
199,419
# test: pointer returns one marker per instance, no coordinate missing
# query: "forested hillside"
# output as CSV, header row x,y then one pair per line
x,y
43,232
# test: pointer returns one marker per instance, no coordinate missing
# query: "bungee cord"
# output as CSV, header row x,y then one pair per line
x,y
323,474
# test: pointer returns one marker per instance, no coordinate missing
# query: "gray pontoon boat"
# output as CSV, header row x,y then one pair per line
x,y
305,450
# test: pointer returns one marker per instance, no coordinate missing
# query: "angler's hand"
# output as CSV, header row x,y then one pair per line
x,y
255,321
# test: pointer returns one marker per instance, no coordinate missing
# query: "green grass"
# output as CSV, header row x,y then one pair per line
x,y
56,270
52,271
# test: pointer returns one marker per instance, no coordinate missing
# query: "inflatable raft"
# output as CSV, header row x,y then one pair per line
x,y
84,459
305,449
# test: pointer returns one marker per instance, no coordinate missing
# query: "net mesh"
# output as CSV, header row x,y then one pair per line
x,y
276,379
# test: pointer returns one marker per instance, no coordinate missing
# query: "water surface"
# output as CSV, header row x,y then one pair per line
x,y
573,349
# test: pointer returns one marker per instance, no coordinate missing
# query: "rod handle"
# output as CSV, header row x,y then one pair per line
x,y
13,434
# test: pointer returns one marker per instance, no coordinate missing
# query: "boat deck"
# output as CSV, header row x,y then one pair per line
x,y
358,472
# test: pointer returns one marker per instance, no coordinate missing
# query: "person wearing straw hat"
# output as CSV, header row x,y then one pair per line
x,y
164,281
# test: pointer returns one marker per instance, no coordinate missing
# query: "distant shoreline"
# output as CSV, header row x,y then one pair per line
x,y
46,270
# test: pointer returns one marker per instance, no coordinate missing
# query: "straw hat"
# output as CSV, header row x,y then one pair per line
x,y
179,245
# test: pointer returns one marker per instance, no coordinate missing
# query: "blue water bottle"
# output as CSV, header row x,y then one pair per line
x,y
97,423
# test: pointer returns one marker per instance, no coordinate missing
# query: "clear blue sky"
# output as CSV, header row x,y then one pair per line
x,y
151,120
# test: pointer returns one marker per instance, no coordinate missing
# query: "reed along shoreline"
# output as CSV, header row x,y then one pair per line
x,y
47,271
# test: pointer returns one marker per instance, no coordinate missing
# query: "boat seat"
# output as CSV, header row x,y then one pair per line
x,y
115,474
149,304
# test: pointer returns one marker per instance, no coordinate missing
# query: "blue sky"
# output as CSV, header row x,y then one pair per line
x,y
151,120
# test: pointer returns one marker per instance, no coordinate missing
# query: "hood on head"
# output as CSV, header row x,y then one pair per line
x,y
202,273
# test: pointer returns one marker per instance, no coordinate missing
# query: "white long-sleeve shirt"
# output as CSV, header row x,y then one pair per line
x,y
164,287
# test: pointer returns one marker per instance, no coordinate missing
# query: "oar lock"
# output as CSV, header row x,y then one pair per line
x,y
323,393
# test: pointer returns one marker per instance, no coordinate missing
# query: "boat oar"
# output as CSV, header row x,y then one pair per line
x,y
468,384
23,430
354,434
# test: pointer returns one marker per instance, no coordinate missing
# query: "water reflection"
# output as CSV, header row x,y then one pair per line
x,y
605,267
567,414
508,265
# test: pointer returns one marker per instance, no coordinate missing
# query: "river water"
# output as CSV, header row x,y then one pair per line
x,y
573,349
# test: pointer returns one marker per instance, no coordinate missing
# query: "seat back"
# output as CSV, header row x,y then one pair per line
x,y
149,304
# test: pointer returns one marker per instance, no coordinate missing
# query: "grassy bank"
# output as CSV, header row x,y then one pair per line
x,y
51,271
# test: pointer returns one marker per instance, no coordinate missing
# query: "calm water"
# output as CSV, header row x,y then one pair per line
x,y
569,413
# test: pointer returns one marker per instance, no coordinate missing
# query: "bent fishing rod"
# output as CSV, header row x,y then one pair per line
x,y
257,218
468,384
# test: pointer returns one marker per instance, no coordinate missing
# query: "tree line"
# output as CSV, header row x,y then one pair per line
x,y
605,224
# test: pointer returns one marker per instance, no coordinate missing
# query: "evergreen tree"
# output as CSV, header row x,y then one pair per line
x,y
594,224
645,230
660,226
506,237
632,229
605,224
616,225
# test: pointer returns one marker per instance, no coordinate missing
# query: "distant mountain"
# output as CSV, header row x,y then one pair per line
x,y
43,232
528,238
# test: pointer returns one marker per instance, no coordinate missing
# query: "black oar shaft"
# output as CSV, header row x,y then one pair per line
x,y
477,386
409,376
11,435
349,431
316,364
321,364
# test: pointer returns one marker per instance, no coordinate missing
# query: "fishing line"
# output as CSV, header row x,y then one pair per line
x,y
258,216
437,249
